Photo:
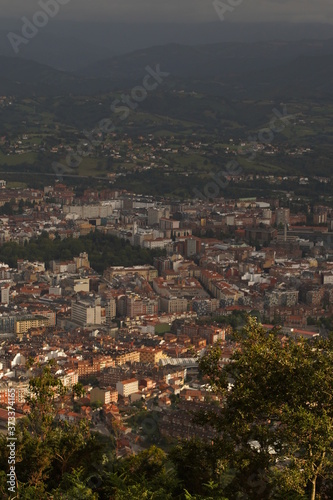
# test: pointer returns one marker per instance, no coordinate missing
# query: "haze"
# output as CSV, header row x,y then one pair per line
x,y
179,10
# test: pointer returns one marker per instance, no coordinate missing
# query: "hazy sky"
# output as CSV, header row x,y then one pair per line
x,y
178,10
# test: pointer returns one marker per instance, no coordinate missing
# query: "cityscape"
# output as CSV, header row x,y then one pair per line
x,y
166,250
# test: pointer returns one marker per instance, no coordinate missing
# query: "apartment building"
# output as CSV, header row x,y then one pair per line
x,y
105,396
70,378
110,310
173,305
127,357
150,355
7,323
127,387
23,325
147,272
139,306
5,293
20,390
86,311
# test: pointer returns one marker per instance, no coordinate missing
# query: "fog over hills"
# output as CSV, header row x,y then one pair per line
x,y
70,45
234,70
208,61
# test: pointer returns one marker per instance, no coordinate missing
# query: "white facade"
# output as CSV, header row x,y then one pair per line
x,y
127,387
5,291
85,313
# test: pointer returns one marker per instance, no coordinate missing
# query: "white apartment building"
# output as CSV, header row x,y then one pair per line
x,y
86,312
127,387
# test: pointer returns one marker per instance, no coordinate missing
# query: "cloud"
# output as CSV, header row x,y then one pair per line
x,y
178,10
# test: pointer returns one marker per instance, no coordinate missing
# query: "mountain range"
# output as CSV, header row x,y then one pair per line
x,y
70,45
274,69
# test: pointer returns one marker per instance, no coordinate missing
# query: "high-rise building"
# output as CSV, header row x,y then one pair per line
x,y
86,311
110,310
282,216
5,291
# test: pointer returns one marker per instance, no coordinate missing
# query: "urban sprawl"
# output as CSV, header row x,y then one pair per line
x,y
132,336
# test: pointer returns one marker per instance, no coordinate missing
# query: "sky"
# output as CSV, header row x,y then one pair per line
x,y
177,10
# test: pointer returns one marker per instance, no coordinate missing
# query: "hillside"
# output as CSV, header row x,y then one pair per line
x,y
23,77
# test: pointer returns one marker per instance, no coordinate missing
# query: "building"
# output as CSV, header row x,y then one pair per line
x,y
20,391
211,334
70,378
7,323
86,311
152,243
110,310
82,261
282,216
127,387
5,291
192,247
23,325
93,366
131,356
140,306
79,284
156,214
105,396
147,272
262,235
150,355
173,305
281,298
46,313
162,264
205,306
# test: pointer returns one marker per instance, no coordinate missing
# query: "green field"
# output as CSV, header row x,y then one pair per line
x,y
18,159
162,328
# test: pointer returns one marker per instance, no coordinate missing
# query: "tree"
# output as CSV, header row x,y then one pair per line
x,y
77,391
96,404
197,464
143,476
277,418
43,391
48,450
74,486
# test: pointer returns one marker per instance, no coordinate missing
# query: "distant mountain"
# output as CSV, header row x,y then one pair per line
x,y
206,61
71,45
304,77
235,71
21,77
124,38
64,52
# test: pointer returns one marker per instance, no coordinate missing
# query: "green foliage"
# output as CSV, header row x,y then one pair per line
x,y
197,465
277,420
96,404
274,434
73,486
236,319
59,460
49,451
43,390
143,476
104,251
